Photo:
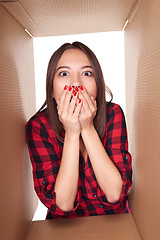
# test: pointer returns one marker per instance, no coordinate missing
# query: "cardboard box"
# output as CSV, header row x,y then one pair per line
x,y
142,56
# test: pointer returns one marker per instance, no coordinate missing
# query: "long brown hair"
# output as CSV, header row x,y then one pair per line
x,y
99,120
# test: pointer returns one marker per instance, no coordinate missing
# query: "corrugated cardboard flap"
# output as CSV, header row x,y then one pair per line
x,y
111,227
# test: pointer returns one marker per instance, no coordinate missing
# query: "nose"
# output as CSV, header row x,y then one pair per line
x,y
76,86
76,81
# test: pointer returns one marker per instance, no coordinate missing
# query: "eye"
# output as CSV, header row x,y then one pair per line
x,y
87,73
63,74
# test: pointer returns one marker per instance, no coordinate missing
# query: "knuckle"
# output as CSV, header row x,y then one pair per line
x,y
89,114
73,120
60,118
63,117
58,109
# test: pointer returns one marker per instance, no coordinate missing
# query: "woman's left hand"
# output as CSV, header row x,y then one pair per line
x,y
88,110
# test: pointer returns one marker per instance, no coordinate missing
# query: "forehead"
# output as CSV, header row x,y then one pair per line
x,y
74,55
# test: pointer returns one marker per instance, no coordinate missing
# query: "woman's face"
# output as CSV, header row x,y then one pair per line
x,y
74,69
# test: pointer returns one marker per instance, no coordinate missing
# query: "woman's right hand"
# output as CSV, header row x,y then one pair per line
x,y
69,110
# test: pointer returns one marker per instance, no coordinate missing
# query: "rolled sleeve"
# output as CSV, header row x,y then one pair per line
x,y
126,174
117,149
45,165
48,198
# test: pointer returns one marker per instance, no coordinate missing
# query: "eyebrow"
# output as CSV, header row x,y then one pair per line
x,y
86,67
62,67
70,68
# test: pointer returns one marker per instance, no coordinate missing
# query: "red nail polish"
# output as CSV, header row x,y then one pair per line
x,y
81,87
70,88
74,92
65,87
76,88
80,100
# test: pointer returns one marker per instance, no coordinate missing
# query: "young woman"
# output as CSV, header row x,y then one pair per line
x,y
78,144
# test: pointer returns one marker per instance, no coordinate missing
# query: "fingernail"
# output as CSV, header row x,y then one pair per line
x,y
80,101
92,97
74,92
81,87
65,87
70,88
76,88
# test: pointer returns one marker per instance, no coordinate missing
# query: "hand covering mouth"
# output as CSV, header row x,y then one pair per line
x,y
72,97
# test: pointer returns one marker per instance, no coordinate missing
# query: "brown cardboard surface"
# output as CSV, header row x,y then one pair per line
x,y
17,98
112,227
50,18
142,47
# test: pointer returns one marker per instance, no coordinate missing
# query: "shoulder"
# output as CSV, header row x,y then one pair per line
x,y
38,120
39,124
113,109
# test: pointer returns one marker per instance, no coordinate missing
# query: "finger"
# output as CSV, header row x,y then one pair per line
x,y
94,102
87,102
78,108
72,104
61,99
64,100
95,105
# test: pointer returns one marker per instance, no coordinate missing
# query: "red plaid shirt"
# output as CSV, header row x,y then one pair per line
x,y
46,151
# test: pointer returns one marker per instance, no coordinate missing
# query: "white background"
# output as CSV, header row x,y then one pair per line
x,y
108,48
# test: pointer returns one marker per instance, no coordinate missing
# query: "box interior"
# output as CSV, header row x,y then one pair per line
x,y
142,61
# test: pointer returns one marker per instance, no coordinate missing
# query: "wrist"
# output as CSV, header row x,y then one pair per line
x,y
88,131
72,135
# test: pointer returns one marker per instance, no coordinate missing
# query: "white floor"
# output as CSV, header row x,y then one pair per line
x,y
40,213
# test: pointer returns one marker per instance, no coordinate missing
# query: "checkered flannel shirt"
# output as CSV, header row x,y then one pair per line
x,y
45,154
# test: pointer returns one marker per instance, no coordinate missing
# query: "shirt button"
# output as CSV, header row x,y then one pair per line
x,y
44,182
94,195
101,206
126,157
